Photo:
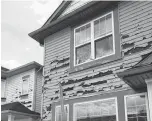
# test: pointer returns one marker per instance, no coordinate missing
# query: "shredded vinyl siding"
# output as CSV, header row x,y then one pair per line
x,y
14,86
135,24
38,92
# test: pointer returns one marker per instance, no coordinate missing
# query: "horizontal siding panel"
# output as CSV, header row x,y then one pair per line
x,y
142,34
137,17
138,6
62,40
129,5
135,26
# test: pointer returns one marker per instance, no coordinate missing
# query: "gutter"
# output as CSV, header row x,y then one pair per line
x,y
20,113
136,70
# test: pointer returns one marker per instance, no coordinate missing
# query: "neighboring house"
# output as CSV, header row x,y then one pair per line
x,y
21,90
101,53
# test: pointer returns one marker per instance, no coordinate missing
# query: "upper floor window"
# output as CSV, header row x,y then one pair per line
x,y
58,113
94,40
25,81
99,110
3,82
136,109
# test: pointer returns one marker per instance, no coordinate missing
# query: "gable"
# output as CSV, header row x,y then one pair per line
x,y
65,8
73,6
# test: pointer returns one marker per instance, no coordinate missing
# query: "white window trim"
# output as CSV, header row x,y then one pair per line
x,y
4,89
60,106
93,39
27,87
116,102
146,101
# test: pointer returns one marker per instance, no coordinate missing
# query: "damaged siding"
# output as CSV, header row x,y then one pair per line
x,y
135,24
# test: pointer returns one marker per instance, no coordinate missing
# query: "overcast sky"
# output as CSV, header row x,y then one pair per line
x,y
18,18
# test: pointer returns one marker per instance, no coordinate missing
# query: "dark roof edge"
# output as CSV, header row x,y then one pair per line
x,y
4,69
20,113
135,70
21,69
57,12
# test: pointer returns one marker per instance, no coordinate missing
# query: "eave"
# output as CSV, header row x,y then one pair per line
x,y
74,17
21,69
136,77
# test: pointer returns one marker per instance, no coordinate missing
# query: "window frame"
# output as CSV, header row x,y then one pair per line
x,y
28,77
116,102
146,103
93,39
61,109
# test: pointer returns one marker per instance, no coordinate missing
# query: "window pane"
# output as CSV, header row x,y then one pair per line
x,y
141,110
83,53
103,26
131,112
136,108
131,101
132,119
58,113
83,35
108,23
96,29
96,111
140,100
142,118
81,111
99,27
103,46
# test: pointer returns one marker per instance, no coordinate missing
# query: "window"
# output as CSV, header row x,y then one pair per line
x,y
94,40
3,88
136,108
58,113
25,81
100,110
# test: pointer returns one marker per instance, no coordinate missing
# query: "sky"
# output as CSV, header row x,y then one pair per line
x,y
18,18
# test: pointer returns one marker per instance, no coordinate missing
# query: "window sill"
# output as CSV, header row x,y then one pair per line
x,y
95,63
22,95
3,98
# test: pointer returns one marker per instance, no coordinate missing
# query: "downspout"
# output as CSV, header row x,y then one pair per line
x,y
35,88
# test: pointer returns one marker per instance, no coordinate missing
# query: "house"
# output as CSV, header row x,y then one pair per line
x,y
101,54
21,92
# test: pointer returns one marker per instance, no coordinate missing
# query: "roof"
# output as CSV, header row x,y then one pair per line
x,y
57,12
136,76
18,107
53,24
4,69
20,69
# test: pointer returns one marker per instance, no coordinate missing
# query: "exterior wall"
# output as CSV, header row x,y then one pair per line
x,y
135,24
14,87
